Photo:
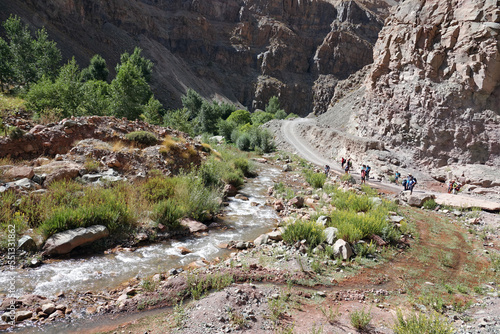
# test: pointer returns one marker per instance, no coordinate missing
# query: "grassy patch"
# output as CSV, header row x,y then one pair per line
x,y
316,180
421,323
143,138
304,230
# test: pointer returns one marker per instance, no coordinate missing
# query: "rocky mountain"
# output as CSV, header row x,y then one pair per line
x,y
433,91
244,51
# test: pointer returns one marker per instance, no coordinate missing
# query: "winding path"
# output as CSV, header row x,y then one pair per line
x,y
303,148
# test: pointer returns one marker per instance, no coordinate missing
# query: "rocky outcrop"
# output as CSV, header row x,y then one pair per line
x,y
242,51
434,86
65,242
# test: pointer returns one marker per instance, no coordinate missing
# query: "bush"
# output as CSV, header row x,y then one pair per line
x,y
198,201
350,201
168,213
354,227
316,180
243,142
96,206
360,319
420,323
430,204
240,117
158,188
142,137
243,165
348,178
299,230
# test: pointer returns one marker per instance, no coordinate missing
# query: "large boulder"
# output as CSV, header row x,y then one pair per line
x,y
416,199
67,173
342,249
193,225
65,242
16,173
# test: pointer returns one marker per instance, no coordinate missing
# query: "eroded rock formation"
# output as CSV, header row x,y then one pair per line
x,y
434,87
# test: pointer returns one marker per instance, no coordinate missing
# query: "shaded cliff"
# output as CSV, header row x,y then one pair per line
x,y
433,90
244,51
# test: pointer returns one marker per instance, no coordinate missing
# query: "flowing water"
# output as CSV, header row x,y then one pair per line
x,y
243,220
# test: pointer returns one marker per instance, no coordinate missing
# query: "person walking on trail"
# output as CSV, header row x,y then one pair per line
x,y
363,174
412,181
342,162
346,169
397,175
367,172
327,170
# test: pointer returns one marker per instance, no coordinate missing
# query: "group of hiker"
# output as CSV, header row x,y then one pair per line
x,y
454,187
347,163
408,183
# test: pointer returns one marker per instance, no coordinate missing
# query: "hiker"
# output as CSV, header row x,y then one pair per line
x,y
327,170
397,175
456,187
412,181
450,186
363,174
342,161
346,169
367,172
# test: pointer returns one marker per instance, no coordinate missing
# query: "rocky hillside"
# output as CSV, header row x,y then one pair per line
x,y
244,51
433,91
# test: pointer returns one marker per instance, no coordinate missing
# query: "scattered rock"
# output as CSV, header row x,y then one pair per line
x,y
193,225
331,235
26,243
342,249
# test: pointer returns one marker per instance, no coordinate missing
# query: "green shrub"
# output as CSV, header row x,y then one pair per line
x,y
168,213
348,178
240,117
243,165
316,180
15,133
350,201
299,230
158,188
363,249
354,227
360,319
420,323
430,204
142,137
198,200
243,142
97,206
234,178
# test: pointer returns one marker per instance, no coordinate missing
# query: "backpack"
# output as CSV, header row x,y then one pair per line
x,y
363,173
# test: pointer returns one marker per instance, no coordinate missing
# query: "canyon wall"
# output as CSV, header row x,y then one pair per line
x,y
244,51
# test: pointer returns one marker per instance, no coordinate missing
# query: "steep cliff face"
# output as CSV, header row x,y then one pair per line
x,y
241,50
434,86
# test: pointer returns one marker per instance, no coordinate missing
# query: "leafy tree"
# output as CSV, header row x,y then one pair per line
x,y
5,68
97,70
144,65
240,117
192,103
153,111
225,128
208,117
260,117
30,59
280,114
178,119
273,106
129,92
226,109
95,98
64,93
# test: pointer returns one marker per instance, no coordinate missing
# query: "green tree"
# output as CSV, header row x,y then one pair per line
x,y
153,111
273,106
208,117
240,117
5,68
192,103
97,70
95,98
144,65
30,59
129,92
64,93
260,117
178,119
